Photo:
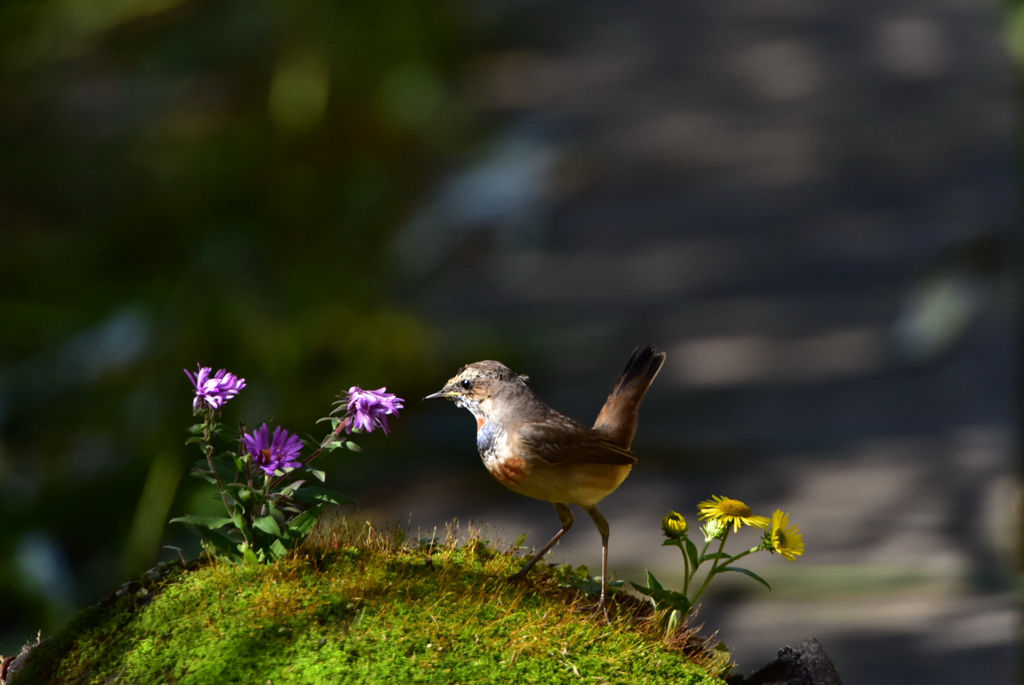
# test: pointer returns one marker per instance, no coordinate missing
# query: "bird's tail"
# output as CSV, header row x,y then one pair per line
x,y
618,417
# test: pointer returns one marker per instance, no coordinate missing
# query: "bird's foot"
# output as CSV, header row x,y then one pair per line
x,y
599,609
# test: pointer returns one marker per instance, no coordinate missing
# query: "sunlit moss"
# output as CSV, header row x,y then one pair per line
x,y
368,609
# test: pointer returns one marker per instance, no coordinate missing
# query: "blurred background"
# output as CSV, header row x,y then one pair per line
x,y
812,207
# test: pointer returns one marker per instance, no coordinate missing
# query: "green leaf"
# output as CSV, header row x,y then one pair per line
x,y
652,585
746,572
315,495
218,429
332,441
195,440
228,464
276,513
289,490
203,474
268,525
714,555
333,418
241,524
349,445
676,601
208,522
665,599
320,475
225,469
250,556
206,528
691,552
303,524
278,549
222,543
675,619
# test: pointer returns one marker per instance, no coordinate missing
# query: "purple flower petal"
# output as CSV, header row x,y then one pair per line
x,y
272,453
369,409
213,392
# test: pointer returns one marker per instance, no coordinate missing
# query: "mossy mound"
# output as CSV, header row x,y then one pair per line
x,y
371,609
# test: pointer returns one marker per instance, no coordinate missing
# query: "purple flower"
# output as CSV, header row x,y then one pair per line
x,y
370,408
271,454
213,391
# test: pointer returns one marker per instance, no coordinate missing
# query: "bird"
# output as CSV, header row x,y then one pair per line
x,y
536,451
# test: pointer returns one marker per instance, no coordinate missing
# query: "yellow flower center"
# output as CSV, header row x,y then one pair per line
x,y
734,507
780,539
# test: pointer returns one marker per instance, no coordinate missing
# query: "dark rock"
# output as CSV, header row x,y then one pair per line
x,y
10,666
805,664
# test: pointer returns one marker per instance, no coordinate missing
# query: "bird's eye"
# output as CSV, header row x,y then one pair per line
x,y
466,383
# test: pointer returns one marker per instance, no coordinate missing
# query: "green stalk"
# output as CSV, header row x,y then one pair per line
x,y
248,465
316,453
714,567
208,450
743,554
692,572
686,565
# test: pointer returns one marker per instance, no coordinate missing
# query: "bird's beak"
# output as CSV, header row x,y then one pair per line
x,y
439,393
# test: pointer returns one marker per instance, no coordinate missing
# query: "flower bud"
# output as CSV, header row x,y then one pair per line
x,y
674,525
714,529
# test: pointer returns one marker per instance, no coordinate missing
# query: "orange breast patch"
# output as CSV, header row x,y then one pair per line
x,y
509,471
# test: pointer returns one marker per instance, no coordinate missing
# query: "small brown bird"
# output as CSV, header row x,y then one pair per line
x,y
536,451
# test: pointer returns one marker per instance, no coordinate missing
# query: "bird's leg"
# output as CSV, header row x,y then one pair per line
x,y
602,527
565,516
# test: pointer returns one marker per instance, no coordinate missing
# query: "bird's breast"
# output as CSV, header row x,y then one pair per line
x,y
497,455
486,437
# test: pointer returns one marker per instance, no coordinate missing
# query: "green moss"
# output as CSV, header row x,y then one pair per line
x,y
366,611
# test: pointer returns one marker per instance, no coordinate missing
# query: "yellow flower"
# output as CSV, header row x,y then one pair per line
x,y
730,511
674,525
786,539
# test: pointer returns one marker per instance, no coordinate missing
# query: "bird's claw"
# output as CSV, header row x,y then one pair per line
x,y
600,608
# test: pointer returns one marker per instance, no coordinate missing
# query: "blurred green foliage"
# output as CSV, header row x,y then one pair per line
x,y
186,182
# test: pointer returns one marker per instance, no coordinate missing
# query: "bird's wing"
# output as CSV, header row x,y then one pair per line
x,y
562,444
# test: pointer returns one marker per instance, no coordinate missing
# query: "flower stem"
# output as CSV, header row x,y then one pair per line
x,y
689,571
248,468
714,567
323,444
208,450
743,554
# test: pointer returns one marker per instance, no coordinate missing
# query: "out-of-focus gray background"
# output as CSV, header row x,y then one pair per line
x,y
811,207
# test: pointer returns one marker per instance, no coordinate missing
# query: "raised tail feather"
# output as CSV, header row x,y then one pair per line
x,y
618,417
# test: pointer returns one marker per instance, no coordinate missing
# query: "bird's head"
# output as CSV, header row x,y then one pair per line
x,y
475,385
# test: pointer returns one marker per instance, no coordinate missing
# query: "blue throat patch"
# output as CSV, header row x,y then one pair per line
x,y
485,436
